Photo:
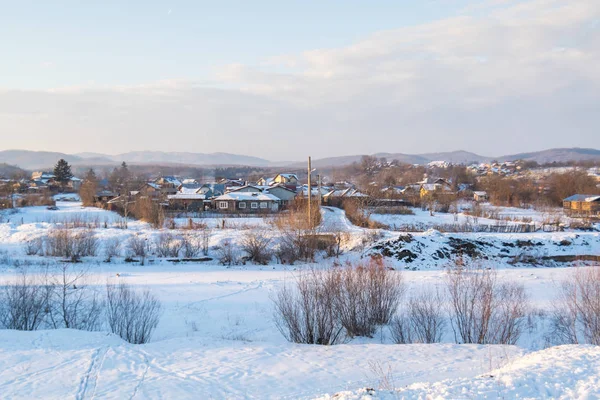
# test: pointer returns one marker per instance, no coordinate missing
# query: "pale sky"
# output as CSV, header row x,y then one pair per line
x,y
285,79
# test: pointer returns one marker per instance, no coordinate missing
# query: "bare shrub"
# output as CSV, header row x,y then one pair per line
x,y
137,246
205,233
424,320
484,311
85,244
256,246
167,245
34,247
112,248
305,311
24,303
73,304
368,295
227,253
63,242
401,329
576,316
131,315
58,243
191,245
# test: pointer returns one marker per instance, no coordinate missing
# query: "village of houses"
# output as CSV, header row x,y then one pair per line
x,y
188,197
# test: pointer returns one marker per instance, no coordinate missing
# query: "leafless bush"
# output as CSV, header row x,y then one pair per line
x,y
112,248
576,317
305,311
256,246
191,245
424,320
401,329
131,315
24,303
167,245
227,253
63,242
73,304
85,244
138,247
484,311
368,295
34,247
205,233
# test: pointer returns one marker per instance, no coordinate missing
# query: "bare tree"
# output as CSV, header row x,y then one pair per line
x,y
73,304
131,315
24,303
576,318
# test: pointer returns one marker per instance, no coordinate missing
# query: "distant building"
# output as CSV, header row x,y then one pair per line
x,y
582,205
246,202
480,196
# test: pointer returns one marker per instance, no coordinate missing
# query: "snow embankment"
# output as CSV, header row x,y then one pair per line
x,y
75,364
563,372
433,249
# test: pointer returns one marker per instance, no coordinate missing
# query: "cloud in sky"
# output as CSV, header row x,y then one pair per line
x,y
509,77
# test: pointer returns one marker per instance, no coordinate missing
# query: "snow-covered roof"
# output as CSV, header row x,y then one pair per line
x,y
172,180
153,185
186,196
583,197
247,196
480,193
189,190
289,176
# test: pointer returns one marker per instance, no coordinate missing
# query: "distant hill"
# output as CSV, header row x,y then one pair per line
x,y
9,171
558,155
459,156
33,160
46,160
465,157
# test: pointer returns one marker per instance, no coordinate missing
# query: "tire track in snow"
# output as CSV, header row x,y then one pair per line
x,y
247,288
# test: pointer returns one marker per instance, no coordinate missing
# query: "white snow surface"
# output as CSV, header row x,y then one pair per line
x,y
217,338
562,372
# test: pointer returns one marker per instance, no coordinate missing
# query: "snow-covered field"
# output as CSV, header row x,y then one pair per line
x,y
422,220
217,337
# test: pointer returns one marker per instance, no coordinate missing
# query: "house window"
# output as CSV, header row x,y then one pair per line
x,y
242,205
263,204
253,205
223,204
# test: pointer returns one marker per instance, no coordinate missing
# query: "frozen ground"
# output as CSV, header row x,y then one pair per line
x,y
422,219
217,338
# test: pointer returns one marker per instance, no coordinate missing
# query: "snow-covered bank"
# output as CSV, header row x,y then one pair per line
x,y
62,364
563,372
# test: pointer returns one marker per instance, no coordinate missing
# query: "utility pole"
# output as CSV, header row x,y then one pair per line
x,y
309,194
319,189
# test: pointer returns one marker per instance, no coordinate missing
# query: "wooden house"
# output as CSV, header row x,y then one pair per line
x,y
582,205
246,202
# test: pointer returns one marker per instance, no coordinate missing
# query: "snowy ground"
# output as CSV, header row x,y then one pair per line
x,y
217,338
422,220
